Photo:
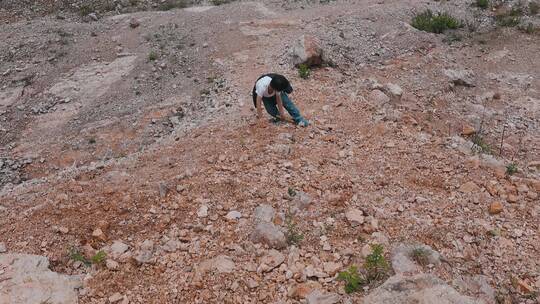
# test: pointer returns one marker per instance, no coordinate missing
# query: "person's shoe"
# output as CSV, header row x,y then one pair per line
x,y
303,122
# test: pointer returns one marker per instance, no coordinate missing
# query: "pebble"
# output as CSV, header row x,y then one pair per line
x,y
495,208
233,215
112,264
203,211
3,248
355,217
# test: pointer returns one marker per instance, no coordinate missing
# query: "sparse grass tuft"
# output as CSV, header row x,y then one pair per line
x,y
291,192
304,71
480,145
351,277
482,4
152,56
86,9
420,256
434,23
294,237
511,169
511,18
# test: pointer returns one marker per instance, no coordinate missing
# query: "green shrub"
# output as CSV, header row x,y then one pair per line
x,y
152,56
511,18
99,257
434,23
511,169
351,277
482,3
480,145
376,265
294,237
304,71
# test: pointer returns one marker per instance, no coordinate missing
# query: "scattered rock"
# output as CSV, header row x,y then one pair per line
x,y
355,217
118,248
404,260
93,16
98,234
418,289
145,253
219,264
476,286
460,77
27,279
301,200
307,50
331,267
469,187
495,208
112,264
116,297
203,211
233,215
134,23
468,130
3,248
264,213
271,260
393,91
378,98
302,290
270,235
318,297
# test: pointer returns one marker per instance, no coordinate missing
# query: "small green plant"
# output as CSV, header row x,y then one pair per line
x,y
480,145
511,169
511,18
304,71
152,56
75,255
434,23
172,4
376,265
99,257
420,255
291,192
92,141
534,8
86,9
529,29
294,237
482,4
353,280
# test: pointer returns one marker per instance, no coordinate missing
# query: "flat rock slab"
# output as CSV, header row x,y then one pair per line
x,y
27,279
418,289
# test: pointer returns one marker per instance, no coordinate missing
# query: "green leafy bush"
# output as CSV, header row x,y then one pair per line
x,y
511,169
304,71
482,3
351,277
434,23
376,265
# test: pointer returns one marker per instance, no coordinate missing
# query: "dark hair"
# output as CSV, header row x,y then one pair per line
x,y
279,83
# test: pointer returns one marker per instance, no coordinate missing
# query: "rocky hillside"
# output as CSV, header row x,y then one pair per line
x,y
133,170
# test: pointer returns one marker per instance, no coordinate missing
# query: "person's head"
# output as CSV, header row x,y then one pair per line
x,y
279,83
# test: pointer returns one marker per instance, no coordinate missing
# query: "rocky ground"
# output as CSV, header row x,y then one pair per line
x,y
131,164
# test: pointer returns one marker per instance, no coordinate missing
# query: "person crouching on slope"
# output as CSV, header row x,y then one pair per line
x,y
271,91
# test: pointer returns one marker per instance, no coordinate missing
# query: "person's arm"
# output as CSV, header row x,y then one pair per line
x,y
280,106
259,107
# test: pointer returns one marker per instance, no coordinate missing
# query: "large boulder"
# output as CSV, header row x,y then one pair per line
x,y
417,289
307,50
26,279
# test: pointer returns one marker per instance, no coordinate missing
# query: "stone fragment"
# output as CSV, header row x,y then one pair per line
x,y
268,234
495,208
118,248
394,91
98,234
111,264
318,297
3,247
219,264
331,267
355,217
301,200
203,211
302,290
417,289
271,260
233,215
469,187
307,50
460,77
378,98
134,23
264,213
145,253
409,259
26,279
116,297
468,130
